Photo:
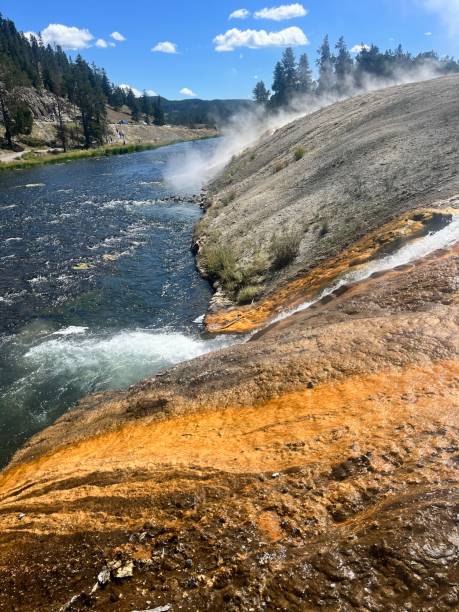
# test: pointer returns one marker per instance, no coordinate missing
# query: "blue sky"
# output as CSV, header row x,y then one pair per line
x,y
190,27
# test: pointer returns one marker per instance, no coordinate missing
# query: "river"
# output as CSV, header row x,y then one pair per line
x,y
98,287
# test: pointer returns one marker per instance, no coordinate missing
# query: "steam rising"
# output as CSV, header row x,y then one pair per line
x,y
191,171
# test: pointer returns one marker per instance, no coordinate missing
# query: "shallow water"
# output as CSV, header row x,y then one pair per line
x,y
98,287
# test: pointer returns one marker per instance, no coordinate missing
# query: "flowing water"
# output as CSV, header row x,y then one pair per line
x,y
98,287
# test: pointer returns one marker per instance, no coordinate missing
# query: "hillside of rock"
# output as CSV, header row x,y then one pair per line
x,y
302,194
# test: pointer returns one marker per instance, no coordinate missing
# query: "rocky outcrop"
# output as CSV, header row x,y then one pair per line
x,y
311,466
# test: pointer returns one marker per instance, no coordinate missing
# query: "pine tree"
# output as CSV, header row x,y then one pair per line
x,y
304,81
279,96
325,63
22,119
158,113
6,117
260,93
344,66
290,73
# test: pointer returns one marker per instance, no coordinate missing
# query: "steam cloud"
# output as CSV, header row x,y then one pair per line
x,y
190,172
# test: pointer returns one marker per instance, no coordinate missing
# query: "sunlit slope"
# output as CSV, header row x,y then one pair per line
x,y
328,179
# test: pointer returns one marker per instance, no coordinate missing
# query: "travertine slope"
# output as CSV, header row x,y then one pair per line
x,y
312,466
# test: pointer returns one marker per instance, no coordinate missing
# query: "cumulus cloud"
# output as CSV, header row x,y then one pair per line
x,y
240,14
258,39
117,36
427,33
100,42
151,92
448,12
186,91
68,37
359,48
134,90
165,47
281,13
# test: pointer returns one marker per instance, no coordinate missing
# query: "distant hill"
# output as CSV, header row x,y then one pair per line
x,y
196,111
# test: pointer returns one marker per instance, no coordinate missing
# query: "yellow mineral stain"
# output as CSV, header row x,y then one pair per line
x,y
310,426
248,318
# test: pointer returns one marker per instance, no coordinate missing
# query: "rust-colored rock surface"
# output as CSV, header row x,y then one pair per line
x,y
314,467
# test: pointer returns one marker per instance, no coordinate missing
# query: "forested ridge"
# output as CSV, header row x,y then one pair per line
x,y
341,74
25,61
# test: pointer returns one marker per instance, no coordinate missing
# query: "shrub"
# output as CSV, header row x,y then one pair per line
x,y
221,265
252,156
248,294
299,153
285,248
229,197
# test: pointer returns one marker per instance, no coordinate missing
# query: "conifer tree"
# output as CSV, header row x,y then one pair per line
x,y
260,93
158,113
344,66
279,96
290,73
304,80
325,63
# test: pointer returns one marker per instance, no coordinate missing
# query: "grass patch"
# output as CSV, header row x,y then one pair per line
x,y
299,153
221,265
228,198
248,294
105,151
284,248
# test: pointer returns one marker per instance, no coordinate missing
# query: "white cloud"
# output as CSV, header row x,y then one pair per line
x,y
151,92
117,36
240,14
100,42
186,91
258,39
281,13
427,33
448,12
165,47
359,48
111,44
68,37
135,91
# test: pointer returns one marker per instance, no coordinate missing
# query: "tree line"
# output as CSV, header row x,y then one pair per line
x,y
28,62
339,73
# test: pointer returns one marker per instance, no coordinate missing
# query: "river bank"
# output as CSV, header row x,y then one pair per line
x,y
14,161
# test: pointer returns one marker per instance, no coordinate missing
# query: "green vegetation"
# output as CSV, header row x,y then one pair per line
x,y
221,265
248,294
339,73
242,283
229,197
299,153
284,248
30,160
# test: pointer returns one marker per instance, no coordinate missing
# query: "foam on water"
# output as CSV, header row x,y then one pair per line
x,y
99,362
414,250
